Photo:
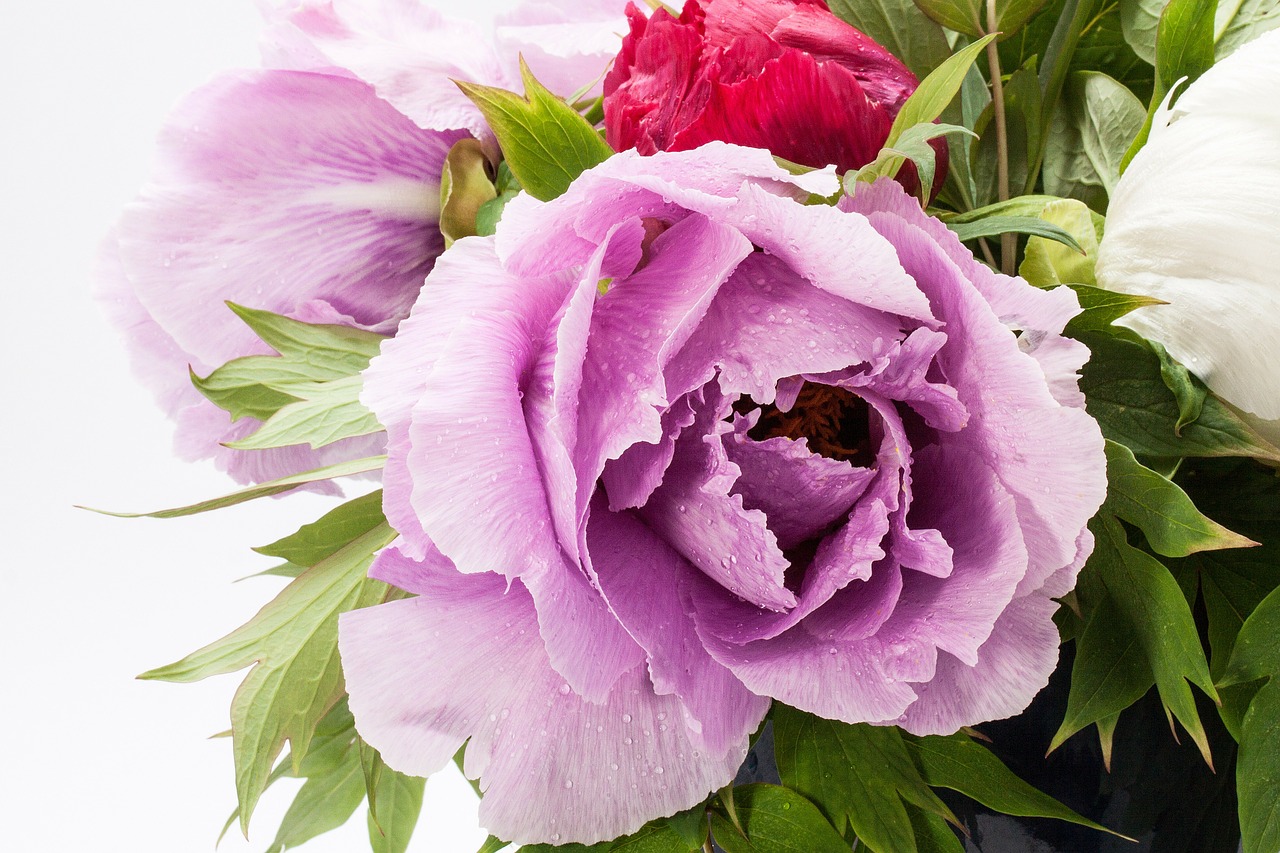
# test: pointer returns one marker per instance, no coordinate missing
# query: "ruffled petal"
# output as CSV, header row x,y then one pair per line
x,y
276,189
464,662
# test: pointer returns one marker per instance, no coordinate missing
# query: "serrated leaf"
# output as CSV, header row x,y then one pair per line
x,y
325,412
324,802
1125,393
935,92
858,775
1047,264
464,188
1161,509
959,763
312,542
1156,612
262,490
292,645
1099,308
1110,672
776,820
900,27
546,142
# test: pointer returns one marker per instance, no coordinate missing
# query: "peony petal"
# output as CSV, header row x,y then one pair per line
x,y
641,576
463,662
1193,223
1013,666
276,189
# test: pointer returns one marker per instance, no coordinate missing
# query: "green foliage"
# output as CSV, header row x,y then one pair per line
x,y
912,145
546,142
313,542
970,16
1184,41
775,820
655,837
1135,604
292,646
901,28
1162,510
464,189
959,763
859,776
1258,771
1049,263
936,91
489,213
324,802
395,802
993,226
1092,129
258,386
1099,308
1124,391
262,490
325,412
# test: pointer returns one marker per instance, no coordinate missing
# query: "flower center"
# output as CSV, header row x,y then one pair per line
x,y
835,422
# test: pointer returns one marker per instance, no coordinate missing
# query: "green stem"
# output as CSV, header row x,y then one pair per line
x,y
1008,242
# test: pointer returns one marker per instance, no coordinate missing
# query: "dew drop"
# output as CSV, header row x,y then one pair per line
x,y
626,718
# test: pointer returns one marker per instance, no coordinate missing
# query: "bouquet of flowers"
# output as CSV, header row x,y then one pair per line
x,y
763,401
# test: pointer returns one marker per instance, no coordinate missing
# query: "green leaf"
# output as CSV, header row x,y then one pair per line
x,y
900,27
333,351
262,490
1125,393
1257,648
399,803
312,542
1023,206
1247,21
1184,41
1092,129
493,845
1050,263
1258,771
935,92
970,16
776,820
913,145
1099,308
1110,672
1188,390
691,825
858,775
932,833
464,188
1023,105
656,837
292,646
324,802
958,763
1155,611
1162,510
324,413
546,142
993,226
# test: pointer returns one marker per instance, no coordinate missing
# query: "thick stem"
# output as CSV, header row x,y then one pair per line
x,y
1008,242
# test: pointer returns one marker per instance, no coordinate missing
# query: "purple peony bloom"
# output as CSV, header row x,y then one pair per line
x,y
676,444
301,191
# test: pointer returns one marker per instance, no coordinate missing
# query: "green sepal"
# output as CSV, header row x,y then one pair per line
x,y
464,188
1187,388
1161,509
546,142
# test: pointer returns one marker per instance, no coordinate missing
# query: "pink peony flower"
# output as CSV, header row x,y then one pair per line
x,y
676,444
785,75
310,189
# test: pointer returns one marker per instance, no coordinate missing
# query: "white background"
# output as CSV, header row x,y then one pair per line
x,y
94,760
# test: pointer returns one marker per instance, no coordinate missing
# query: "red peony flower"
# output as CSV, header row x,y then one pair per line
x,y
785,75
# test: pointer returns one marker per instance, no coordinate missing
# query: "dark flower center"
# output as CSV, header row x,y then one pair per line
x,y
836,423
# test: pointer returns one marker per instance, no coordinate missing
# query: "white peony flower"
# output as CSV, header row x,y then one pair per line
x,y
1195,221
